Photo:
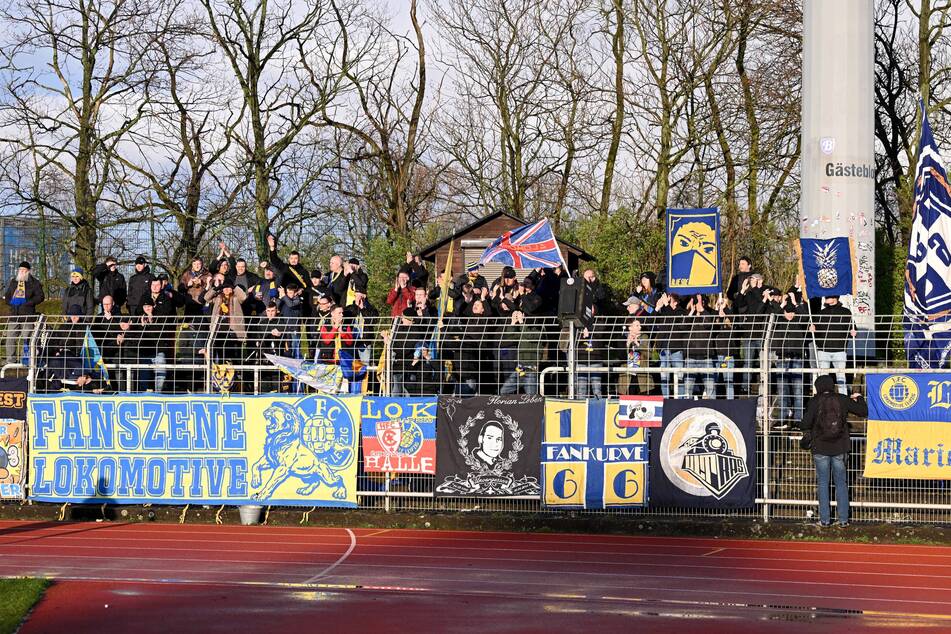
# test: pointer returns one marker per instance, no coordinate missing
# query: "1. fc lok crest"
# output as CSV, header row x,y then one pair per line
x,y
703,453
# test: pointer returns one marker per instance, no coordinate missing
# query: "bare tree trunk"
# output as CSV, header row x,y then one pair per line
x,y
617,122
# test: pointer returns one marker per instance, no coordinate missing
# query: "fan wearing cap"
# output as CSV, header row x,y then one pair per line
x,y
78,293
139,285
111,282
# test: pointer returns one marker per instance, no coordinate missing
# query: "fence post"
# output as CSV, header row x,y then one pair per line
x,y
208,362
764,400
386,386
572,361
34,338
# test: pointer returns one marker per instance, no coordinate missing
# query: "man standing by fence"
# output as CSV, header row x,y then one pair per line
x,y
24,294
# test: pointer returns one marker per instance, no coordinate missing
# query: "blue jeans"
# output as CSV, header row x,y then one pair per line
x,y
670,359
837,465
789,389
708,378
727,363
150,378
835,360
586,380
752,351
527,381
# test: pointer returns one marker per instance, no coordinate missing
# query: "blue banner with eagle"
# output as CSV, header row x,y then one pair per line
x,y
827,267
693,251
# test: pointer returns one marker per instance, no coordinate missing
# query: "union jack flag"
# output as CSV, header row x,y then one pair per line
x,y
928,272
527,247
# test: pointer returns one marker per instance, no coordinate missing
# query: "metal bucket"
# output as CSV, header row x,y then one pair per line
x,y
250,514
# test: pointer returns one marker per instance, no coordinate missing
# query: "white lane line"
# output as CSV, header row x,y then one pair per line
x,y
713,552
326,571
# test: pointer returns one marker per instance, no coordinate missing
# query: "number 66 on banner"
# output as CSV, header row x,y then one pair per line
x,y
588,460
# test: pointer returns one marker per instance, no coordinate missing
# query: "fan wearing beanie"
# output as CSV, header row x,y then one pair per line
x,y
78,294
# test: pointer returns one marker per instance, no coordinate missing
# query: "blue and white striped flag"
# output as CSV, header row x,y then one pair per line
x,y
928,272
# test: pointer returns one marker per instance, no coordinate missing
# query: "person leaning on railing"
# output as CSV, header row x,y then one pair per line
x,y
268,335
832,327
152,339
725,344
227,319
787,348
636,357
670,335
700,325
592,350
750,307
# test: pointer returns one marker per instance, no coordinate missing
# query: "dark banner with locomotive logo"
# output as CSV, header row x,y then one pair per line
x,y
705,455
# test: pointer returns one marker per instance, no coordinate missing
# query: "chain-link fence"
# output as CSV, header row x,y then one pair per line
x,y
772,358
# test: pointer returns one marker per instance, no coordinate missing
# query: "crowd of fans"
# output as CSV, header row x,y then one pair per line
x,y
492,338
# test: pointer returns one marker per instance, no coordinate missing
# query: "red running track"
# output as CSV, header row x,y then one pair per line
x,y
203,578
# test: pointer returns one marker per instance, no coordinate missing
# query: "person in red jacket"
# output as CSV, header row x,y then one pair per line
x,y
400,296
333,337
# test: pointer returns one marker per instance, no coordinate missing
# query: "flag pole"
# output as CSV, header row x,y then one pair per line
x,y
805,298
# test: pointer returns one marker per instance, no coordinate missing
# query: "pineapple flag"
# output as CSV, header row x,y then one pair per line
x,y
928,272
827,266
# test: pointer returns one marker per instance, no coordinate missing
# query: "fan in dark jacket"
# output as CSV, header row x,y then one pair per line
x,y
290,271
826,424
139,285
111,282
78,294
24,293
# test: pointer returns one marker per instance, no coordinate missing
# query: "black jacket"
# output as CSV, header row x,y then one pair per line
x,y
833,325
826,388
138,289
287,273
337,284
167,303
111,283
33,295
79,295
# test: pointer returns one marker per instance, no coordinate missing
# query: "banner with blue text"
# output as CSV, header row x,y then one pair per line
x,y
205,449
589,459
909,426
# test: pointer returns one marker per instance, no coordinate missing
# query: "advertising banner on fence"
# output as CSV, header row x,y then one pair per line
x,y
488,446
205,449
589,460
909,426
399,435
12,430
705,455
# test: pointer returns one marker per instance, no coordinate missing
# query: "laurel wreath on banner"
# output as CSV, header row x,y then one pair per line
x,y
503,464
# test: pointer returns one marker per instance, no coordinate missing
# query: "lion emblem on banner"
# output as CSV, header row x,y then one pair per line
x,y
311,440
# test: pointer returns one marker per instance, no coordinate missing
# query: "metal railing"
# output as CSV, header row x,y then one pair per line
x,y
771,358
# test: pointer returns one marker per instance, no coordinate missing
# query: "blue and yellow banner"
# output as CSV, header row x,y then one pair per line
x,y
693,251
589,460
196,449
909,426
